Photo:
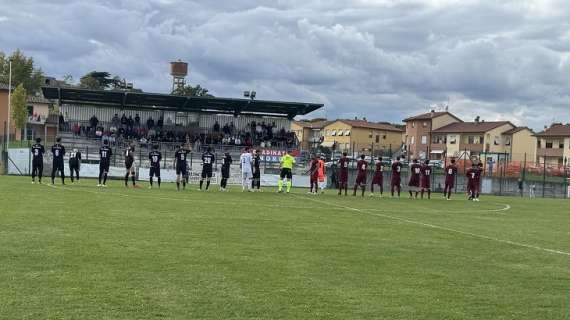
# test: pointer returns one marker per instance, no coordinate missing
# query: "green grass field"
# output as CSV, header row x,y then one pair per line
x,y
81,252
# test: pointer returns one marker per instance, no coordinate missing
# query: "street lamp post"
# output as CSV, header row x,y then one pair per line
x,y
9,103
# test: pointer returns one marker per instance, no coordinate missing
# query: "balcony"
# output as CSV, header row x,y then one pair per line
x,y
549,152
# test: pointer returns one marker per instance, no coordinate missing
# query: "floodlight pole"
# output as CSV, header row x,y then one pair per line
x,y
9,103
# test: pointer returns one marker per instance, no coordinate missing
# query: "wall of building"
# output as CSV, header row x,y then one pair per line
x,y
523,142
442,121
344,141
496,134
415,130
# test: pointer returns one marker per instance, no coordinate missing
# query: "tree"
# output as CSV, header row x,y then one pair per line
x,y
190,91
23,71
18,106
96,80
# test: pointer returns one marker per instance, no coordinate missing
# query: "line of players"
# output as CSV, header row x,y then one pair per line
x,y
419,181
250,164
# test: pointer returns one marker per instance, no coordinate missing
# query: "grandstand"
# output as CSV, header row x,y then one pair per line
x,y
142,119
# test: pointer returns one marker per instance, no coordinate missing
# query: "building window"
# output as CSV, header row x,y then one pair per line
x,y
539,144
452,140
384,137
413,124
471,140
333,133
377,138
370,135
413,140
424,139
548,145
424,124
340,133
561,145
347,133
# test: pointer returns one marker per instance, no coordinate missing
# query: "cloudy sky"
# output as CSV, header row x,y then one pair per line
x,y
385,60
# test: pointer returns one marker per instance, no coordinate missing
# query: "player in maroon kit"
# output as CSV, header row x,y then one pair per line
x,y
378,178
314,174
425,179
362,168
472,178
395,181
450,173
343,174
414,183
478,180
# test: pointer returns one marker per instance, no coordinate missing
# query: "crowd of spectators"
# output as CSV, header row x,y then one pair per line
x,y
127,129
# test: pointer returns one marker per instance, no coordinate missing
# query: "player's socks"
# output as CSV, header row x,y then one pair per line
x,y
126,180
150,180
158,182
133,178
178,185
289,185
183,184
105,178
280,185
201,183
363,190
422,193
207,184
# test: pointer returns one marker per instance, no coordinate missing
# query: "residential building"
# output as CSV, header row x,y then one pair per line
x,y
40,124
477,138
419,131
309,132
520,143
553,145
379,138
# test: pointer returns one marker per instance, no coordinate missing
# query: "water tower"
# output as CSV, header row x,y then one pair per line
x,y
178,71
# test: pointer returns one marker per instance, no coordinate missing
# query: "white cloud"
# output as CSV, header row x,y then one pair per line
x,y
381,59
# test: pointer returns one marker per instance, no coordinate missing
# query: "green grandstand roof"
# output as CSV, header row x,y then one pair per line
x,y
143,100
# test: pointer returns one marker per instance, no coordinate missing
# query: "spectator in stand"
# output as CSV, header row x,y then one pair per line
x,y
99,132
116,121
232,127
160,123
168,121
61,121
150,123
76,129
124,120
93,122
130,122
216,127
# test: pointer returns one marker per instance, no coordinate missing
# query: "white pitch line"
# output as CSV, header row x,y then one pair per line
x,y
433,226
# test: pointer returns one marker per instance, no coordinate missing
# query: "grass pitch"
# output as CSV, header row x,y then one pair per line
x,y
82,252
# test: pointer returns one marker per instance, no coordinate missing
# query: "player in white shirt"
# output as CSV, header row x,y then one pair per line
x,y
245,161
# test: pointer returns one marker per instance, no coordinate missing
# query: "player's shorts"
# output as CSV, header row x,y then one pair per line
x,y
154,172
286,173
396,181
104,166
361,179
378,179
181,169
415,183
314,179
37,165
129,164
425,184
206,173
246,174
449,182
58,165
256,174
343,177
226,173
